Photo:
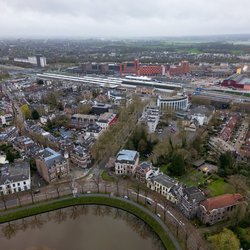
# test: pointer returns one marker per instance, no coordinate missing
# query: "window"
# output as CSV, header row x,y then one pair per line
x,y
14,185
24,183
18,184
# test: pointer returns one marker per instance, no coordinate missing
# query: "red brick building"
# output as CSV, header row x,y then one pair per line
x,y
153,70
219,208
181,69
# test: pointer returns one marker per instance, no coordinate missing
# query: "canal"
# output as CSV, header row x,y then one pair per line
x,y
79,228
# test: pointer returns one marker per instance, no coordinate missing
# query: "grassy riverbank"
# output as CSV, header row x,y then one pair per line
x,y
87,200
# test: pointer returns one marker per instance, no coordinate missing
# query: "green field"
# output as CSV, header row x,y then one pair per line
x,y
106,177
219,187
193,178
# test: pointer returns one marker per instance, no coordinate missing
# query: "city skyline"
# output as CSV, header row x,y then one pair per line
x,y
130,19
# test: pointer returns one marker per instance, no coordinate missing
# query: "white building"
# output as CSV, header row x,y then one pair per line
x,y
151,117
163,184
14,178
6,119
126,162
38,60
178,102
202,114
106,119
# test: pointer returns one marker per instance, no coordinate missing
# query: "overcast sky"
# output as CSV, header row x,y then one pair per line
x,y
116,18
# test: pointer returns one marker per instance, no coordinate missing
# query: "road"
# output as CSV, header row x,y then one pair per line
x,y
165,210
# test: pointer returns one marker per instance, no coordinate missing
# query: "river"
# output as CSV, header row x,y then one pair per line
x,y
79,228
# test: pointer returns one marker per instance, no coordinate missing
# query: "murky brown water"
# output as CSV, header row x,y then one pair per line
x,y
79,228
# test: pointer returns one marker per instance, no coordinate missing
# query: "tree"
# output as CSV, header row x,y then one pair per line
x,y
227,164
142,146
35,115
160,153
26,111
177,167
10,156
84,108
225,240
40,82
97,180
197,143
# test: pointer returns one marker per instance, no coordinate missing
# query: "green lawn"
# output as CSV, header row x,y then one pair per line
x,y
106,177
219,187
193,178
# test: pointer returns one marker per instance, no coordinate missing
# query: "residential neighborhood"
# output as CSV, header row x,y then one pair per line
x,y
170,137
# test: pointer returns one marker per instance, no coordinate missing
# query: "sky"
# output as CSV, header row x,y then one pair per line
x,y
127,18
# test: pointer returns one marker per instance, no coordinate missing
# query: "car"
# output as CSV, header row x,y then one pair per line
x,y
36,191
158,215
149,202
125,197
88,192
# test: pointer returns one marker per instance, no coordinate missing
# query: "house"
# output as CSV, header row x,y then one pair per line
x,y
188,200
151,117
106,119
51,165
219,208
126,162
3,158
202,114
143,171
80,157
190,126
163,184
219,146
14,177
81,120
6,119
93,130
208,168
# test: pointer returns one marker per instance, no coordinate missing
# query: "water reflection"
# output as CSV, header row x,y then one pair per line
x,y
80,227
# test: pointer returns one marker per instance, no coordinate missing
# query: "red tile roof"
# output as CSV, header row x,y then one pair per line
x,y
221,201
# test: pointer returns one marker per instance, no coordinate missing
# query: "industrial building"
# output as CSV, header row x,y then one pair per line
x,y
238,81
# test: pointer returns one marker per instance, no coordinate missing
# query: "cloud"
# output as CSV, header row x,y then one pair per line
x,y
123,18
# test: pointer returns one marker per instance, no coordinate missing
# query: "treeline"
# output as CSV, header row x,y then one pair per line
x,y
113,139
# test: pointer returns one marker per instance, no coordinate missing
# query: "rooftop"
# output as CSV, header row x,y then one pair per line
x,y
127,155
221,201
50,156
164,180
14,172
194,194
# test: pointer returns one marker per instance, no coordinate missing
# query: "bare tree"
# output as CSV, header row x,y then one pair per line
x,y
57,187
138,186
31,195
117,180
146,195
105,187
97,180
3,199
19,199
